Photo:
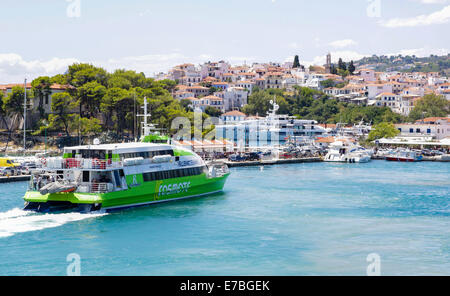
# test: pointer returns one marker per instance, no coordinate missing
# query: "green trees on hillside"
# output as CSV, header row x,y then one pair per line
x,y
430,105
96,101
13,102
259,102
62,112
41,89
382,130
312,104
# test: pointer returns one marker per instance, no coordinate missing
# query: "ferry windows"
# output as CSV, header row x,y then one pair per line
x,y
162,175
86,176
102,154
147,154
117,179
147,177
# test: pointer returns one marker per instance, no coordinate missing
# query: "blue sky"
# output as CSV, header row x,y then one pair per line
x,y
41,37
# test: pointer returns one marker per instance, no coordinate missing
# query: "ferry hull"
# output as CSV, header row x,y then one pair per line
x,y
137,195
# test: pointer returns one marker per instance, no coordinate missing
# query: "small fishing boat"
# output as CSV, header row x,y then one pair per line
x,y
404,156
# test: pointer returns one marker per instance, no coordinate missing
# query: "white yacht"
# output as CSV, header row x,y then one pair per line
x,y
345,151
274,130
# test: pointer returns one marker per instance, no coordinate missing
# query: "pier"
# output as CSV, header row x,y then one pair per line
x,y
14,179
271,162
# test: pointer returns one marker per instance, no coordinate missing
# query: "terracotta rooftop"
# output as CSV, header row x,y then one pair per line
x,y
234,113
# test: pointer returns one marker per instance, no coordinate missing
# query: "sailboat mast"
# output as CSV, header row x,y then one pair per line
x,y
25,116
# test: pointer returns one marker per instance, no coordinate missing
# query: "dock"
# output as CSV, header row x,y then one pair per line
x,y
14,179
439,158
271,162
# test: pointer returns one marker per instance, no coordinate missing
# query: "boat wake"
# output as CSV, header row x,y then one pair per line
x,y
18,221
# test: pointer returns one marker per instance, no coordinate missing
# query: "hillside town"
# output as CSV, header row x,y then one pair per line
x,y
234,84
223,90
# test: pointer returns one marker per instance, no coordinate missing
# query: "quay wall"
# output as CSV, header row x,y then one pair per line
x,y
272,162
14,179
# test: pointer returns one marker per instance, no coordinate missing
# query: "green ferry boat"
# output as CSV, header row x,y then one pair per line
x,y
114,176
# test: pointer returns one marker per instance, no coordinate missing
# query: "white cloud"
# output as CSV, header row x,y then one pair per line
x,y
343,43
421,52
347,55
439,17
13,68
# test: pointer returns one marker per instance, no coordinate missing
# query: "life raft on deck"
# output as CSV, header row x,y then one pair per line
x,y
56,187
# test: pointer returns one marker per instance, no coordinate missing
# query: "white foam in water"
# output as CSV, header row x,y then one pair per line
x,y
16,212
17,221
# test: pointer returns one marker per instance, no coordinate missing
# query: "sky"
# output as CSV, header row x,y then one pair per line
x,y
43,37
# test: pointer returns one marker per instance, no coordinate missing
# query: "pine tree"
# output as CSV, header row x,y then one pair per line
x,y
333,70
351,67
296,62
342,65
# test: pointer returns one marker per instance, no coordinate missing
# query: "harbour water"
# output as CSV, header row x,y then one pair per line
x,y
294,219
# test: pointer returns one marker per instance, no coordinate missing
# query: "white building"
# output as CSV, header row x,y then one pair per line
x,y
436,127
233,98
374,90
233,117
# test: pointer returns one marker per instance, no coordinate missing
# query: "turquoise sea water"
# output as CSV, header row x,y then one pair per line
x,y
299,219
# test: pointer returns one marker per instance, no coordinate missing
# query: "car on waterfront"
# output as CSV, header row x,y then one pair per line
x,y
9,171
236,157
253,156
426,152
7,162
26,170
437,152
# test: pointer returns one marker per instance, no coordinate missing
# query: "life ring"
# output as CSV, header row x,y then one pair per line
x,y
44,161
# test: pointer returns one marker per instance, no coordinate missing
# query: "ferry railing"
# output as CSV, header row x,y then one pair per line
x,y
99,187
99,164
90,163
218,170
